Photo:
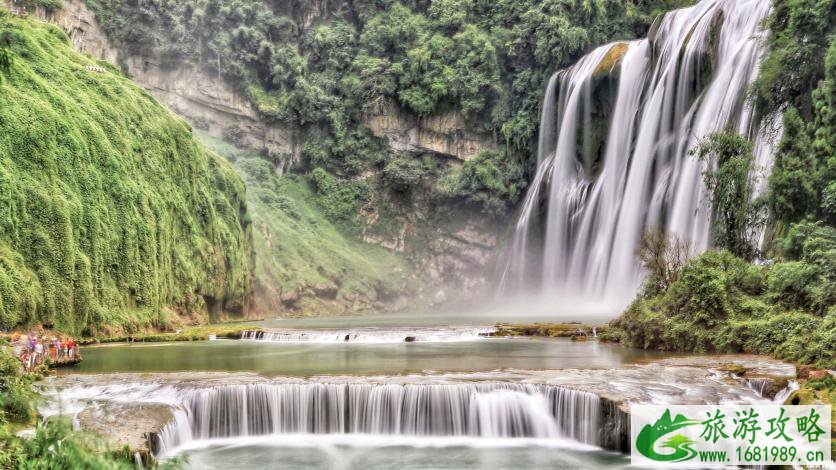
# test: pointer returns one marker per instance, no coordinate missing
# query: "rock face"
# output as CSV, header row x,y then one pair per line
x,y
210,104
126,424
457,263
454,261
79,22
444,134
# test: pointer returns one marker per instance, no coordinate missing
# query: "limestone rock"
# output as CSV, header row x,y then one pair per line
x,y
445,134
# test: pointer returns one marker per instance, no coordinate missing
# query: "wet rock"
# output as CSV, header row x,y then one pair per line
x,y
126,424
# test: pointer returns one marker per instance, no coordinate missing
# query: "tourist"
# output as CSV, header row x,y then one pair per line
x,y
39,352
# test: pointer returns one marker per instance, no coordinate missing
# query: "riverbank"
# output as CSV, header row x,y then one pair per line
x,y
576,331
189,333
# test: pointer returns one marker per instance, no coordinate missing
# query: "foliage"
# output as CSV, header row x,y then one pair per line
x,y
15,393
55,445
800,32
723,304
488,60
109,210
800,70
350,155
736,214
340,200
5,50
404,172
490,180
300,246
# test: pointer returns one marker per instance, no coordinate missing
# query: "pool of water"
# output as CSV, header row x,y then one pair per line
x,y
374,452
311,355
305,360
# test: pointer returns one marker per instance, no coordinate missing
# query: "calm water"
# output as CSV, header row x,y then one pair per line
x,y
309,452
304,360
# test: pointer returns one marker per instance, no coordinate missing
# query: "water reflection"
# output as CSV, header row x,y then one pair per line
x,y
305,360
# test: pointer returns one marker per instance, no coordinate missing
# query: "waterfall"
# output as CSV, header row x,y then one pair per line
x,y
785,393
504,410
614,152
370,335
759,385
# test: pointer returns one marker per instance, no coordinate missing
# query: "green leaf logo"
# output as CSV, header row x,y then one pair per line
x,y
681,445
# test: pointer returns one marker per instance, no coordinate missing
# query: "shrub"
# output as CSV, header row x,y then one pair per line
x,y
491,180
719,304
340,200
403,172
663,256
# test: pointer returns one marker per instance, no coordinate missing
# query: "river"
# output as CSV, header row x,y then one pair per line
x,y
304,396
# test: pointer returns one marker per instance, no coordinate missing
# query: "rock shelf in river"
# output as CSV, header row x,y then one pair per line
x,y
584,405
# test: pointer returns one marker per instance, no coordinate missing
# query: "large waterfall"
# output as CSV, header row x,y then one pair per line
x,y
492,410
613,157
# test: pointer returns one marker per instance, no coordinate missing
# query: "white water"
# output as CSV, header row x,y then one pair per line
x,y
370,335
484,410
784,394
687,81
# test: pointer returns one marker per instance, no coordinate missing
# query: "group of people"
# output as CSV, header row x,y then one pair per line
x,y
33,350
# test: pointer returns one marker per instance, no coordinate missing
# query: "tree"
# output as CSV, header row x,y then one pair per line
x,y
736,214
663,256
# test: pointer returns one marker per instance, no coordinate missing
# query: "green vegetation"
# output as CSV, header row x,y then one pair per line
x,y
54,445
112,217
785,307
490,180
800,70
801,31
489,60
721,303
552,330
737,214
302,252
187,333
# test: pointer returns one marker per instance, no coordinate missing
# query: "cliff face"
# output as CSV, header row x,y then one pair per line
x,y
209,103
445,134
452,256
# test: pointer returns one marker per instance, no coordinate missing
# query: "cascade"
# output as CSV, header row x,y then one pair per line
x,y
614,156
759,385
369,335
506,410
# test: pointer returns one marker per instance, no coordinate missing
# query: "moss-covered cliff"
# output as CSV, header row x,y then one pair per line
x,y
111,215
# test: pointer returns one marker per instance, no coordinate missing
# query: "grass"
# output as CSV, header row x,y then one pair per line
x,y
111,214
305,261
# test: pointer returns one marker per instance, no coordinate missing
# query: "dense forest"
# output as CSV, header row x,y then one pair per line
x,y
489,60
